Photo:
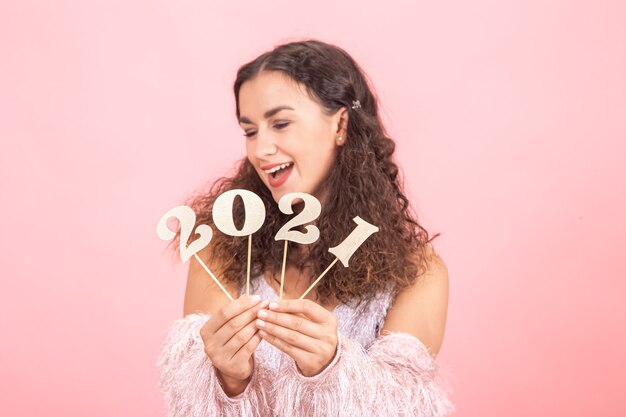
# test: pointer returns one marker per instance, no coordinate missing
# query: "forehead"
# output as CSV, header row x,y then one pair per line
x,y
269,89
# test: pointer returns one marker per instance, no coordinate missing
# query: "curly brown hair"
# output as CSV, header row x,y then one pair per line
x,y
363,181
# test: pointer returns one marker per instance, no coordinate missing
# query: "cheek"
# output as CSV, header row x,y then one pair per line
x,y
252,160
316,152
249,151
315,168
324,159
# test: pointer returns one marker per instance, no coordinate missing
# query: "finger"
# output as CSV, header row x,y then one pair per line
x,y
234,308
309,308
291,337
235,324
298,355
246,350
297,322
239,339
238,322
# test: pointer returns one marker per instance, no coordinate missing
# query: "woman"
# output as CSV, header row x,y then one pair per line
x,y
364,340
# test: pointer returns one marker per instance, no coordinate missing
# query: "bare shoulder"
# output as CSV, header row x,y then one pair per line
x,y
202,294
421,309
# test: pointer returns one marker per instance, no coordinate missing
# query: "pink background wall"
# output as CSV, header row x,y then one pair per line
x,y
511,123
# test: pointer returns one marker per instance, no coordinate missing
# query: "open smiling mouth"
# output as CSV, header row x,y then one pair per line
x,y
279,175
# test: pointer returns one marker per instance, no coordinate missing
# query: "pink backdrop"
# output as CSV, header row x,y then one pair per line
x,y
511,124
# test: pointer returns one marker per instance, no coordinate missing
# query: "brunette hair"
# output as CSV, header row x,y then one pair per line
x,y
364,181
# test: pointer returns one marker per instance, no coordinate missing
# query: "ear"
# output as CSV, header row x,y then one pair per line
x,y
340,125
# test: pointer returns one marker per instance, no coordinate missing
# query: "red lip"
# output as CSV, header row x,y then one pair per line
x,y
264,167
275,183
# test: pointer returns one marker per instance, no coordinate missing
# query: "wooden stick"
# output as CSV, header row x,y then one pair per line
x,y
248,274
319,278
213,276
282,275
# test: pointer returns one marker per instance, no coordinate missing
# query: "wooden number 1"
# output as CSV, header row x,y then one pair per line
x,y
346,249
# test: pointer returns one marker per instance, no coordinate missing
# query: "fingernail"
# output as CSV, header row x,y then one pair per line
x,y
264,304
262,314
260,323
273,306
255,298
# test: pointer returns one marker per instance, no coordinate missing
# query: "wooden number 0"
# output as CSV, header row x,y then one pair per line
x,y
223,212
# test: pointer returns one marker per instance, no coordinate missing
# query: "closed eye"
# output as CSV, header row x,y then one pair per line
x,y
281,125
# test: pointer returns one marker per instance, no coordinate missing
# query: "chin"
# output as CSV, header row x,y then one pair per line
x,y
277,195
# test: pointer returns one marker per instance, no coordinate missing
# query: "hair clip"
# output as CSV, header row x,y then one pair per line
x,y
356,104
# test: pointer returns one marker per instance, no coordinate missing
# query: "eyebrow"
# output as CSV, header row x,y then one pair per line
x,y
267,114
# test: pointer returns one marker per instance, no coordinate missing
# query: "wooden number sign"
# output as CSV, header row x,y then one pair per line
x,y
254,209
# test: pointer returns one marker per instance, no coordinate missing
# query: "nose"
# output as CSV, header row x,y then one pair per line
x,y
265,144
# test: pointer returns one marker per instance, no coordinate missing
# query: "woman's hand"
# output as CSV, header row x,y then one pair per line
x,y
303,330
230,337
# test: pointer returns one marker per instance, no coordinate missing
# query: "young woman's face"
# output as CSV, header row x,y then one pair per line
x,y
292,149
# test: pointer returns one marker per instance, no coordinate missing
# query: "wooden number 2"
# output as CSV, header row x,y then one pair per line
x,y
311,211
187,219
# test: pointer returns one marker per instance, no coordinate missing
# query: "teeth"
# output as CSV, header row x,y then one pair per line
x,y
272,170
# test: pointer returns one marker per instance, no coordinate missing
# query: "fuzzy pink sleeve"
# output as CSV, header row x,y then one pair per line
x,y
190,384
395,377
